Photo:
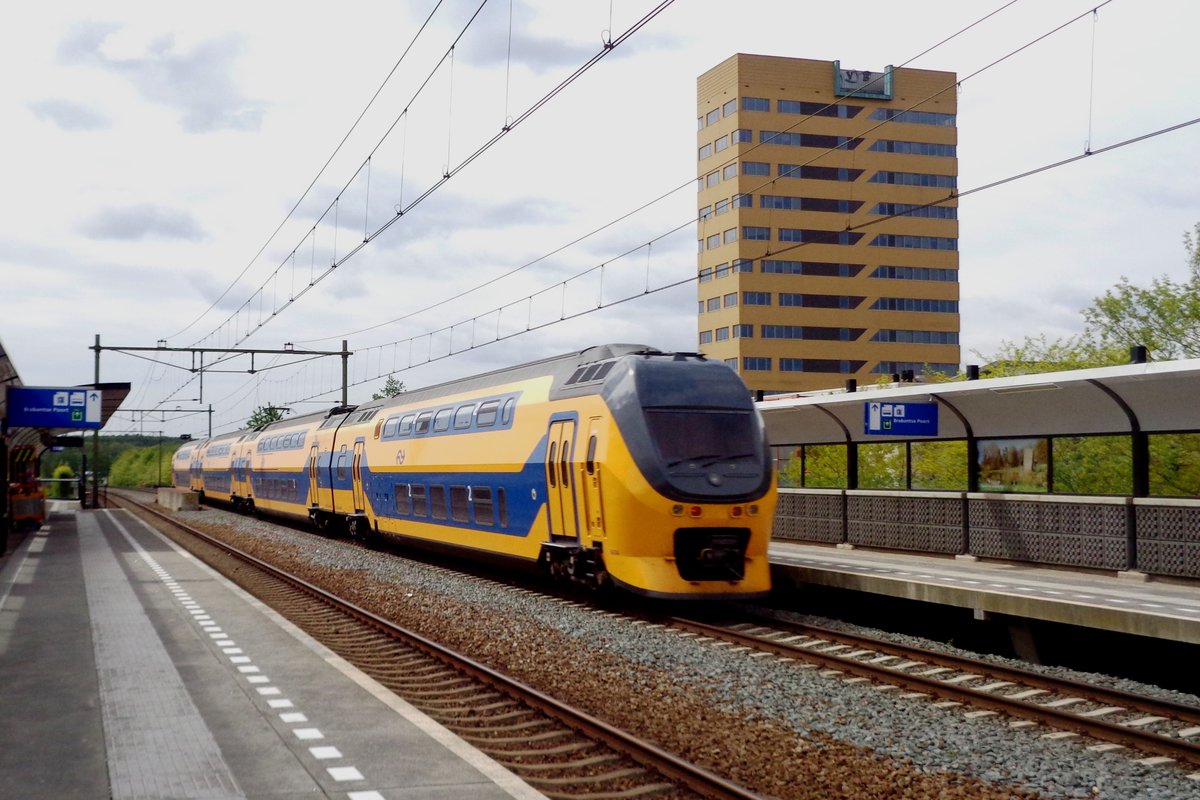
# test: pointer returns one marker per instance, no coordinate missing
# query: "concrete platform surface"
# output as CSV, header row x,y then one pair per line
x,y
130,670
1127,604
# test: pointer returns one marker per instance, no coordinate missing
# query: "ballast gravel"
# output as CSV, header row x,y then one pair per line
x,y
770,725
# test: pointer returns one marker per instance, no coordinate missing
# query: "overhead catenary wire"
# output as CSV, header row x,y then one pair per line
x,y
316,177
316,278
450,172
680,187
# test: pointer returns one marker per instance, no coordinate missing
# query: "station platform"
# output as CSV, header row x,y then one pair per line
x,y
130,670
1124,603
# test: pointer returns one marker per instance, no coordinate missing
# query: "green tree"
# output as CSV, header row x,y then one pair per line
x,y
391,388
264,415
1164,317
63,490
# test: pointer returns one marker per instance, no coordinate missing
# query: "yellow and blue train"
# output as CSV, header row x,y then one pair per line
x,y
620,465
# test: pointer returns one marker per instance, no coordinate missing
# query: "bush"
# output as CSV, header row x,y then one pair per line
x,y
62,490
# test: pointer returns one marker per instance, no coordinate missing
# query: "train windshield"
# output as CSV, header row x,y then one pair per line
x,y
702,435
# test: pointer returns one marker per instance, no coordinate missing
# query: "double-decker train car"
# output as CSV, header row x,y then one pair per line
x,y
616,465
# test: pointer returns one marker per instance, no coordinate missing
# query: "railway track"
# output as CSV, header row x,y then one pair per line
x,y
559,750
1163,730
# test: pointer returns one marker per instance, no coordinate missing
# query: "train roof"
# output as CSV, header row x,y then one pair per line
x,y
562,365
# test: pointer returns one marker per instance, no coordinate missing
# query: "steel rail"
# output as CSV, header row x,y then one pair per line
x,y
665,763
1178,749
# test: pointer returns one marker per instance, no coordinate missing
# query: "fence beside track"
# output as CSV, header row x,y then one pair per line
x,y
1157,536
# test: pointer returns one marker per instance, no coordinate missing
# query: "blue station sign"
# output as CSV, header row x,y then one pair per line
x,y
900,419
54,407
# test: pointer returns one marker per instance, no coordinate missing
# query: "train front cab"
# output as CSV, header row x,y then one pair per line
x,y
675,489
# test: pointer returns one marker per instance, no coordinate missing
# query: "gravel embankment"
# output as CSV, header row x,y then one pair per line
x,y
782,731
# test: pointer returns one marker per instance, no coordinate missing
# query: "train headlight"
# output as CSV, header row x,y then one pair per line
x,y
754,510
677,510
695,511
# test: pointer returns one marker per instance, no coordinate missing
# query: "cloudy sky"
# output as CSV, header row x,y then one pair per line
x,y
165,176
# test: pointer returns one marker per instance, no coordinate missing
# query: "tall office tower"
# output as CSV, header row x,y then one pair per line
x,y
821,256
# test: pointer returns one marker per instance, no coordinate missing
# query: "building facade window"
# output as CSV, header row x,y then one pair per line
x,y
713,241
915,273
811,173
730,235
722,206
817,109
712,117
916,242
714,304
818,268
915,337
730,299
760,168
743,331
756,104
797,300
820,140
706,213
722,334
915,179
914,148
706,275
743,136
843,366
915,304
743,265
730,171
705,152
731,363
756,298
756,364
712,179
722,270
756,233
730,108
743,201
914,117
813,332
817,236
705,337
721,144
908,210
828,204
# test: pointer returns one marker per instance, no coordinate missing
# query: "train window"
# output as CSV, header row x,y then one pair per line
x,y
406,425
389,427
485,512
420,506
486,416
422,424
302,437
507,414
605,368
566,468
460,506
341,464
437,502
501,508
550,466
462,417
591,456
404,506
441,420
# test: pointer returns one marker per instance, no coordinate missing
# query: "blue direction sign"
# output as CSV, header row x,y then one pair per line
x,y
54,407
900,419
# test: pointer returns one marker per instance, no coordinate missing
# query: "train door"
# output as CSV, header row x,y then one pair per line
x,y
593,513
560,482
356,481
313,454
